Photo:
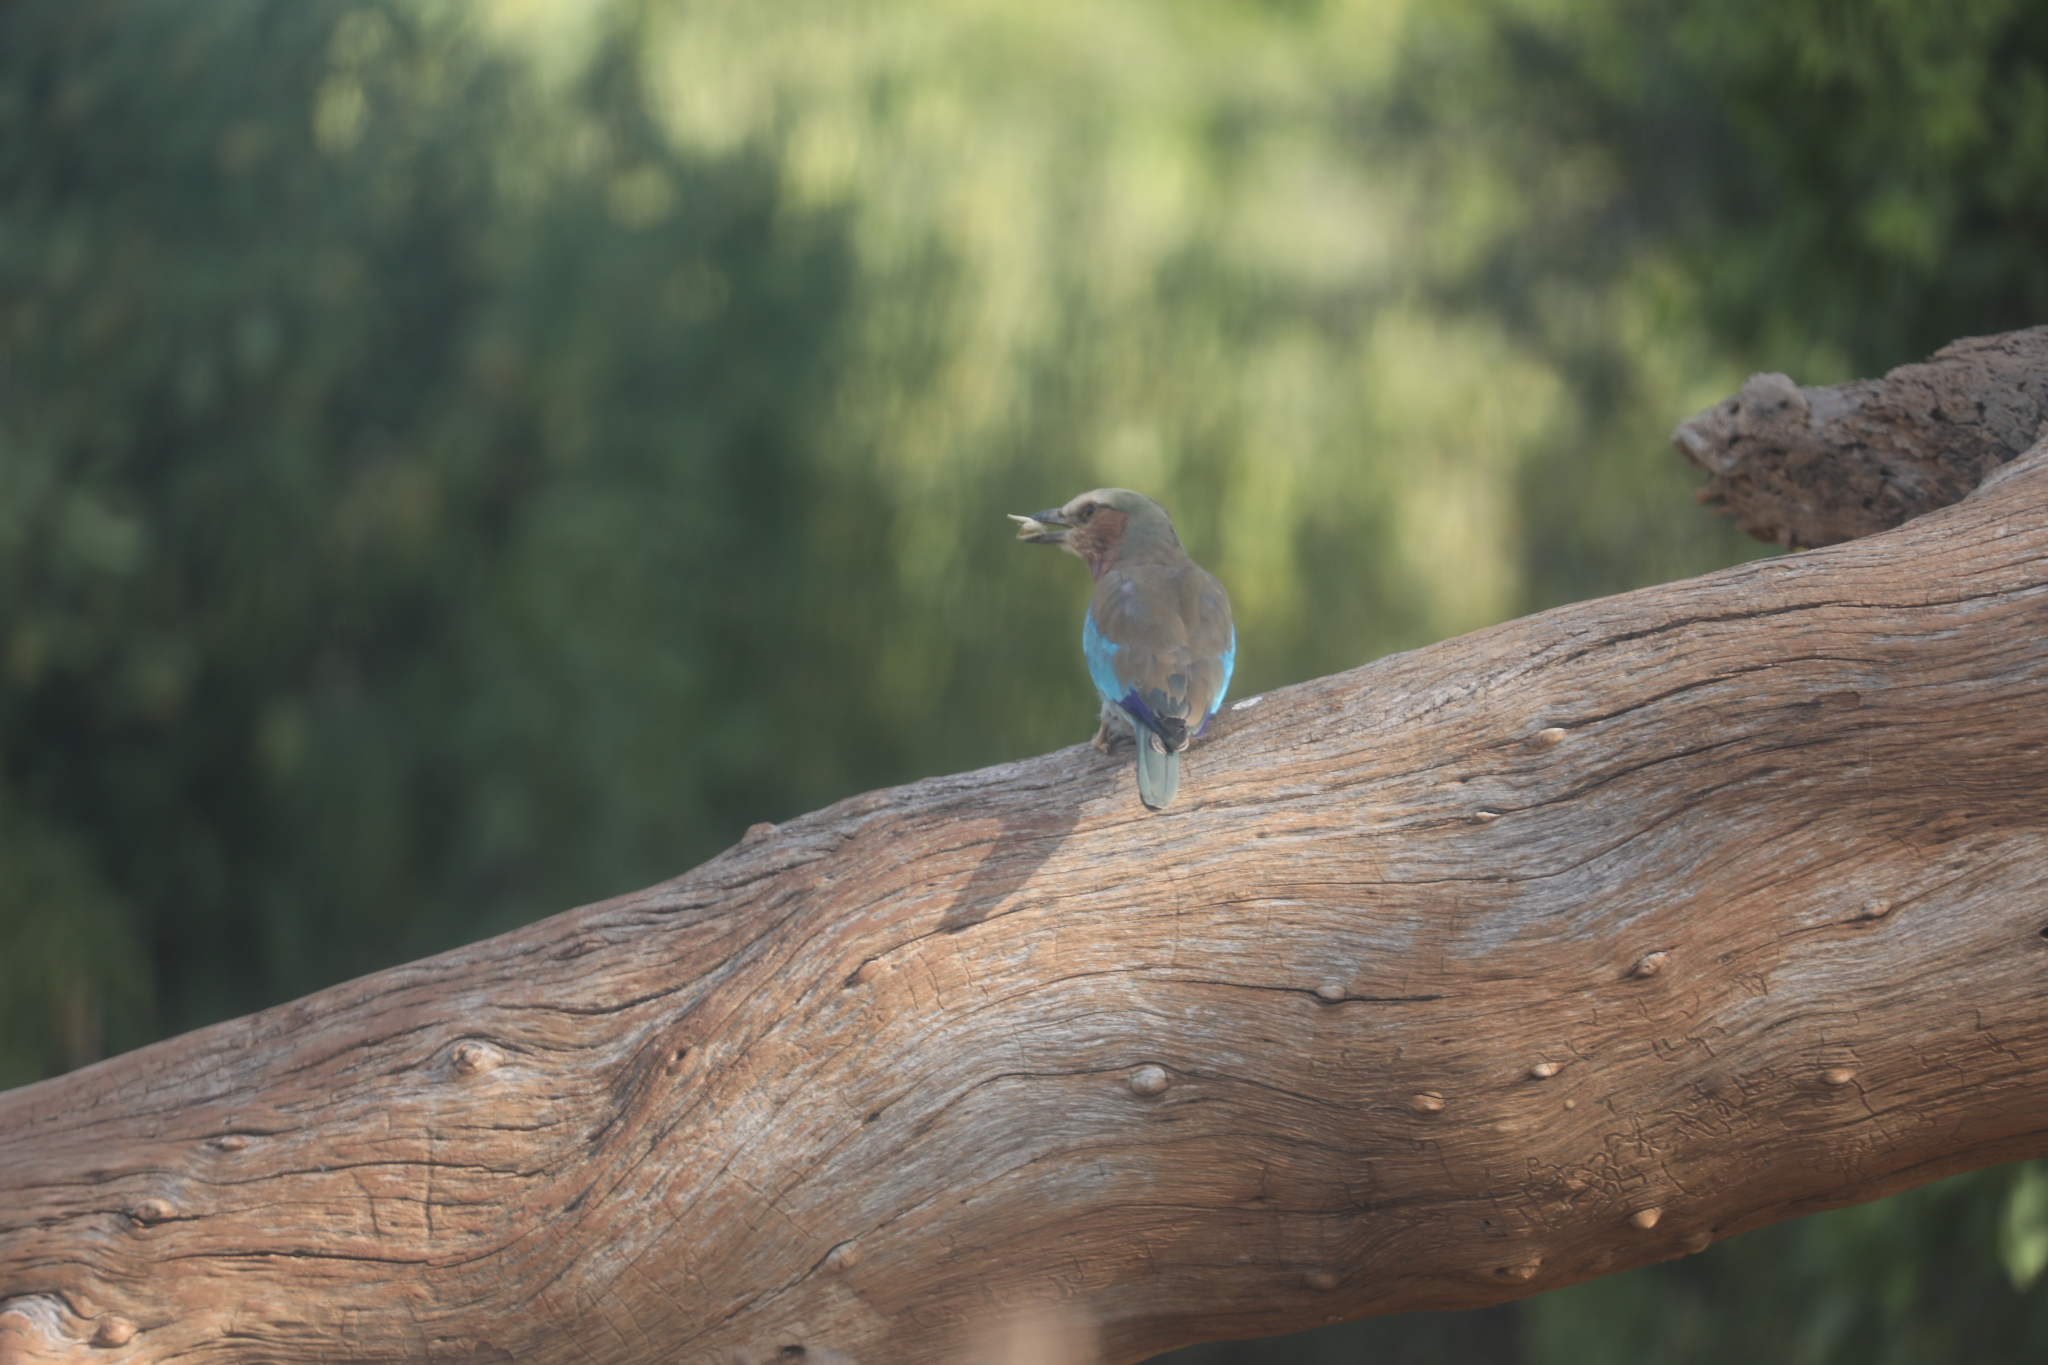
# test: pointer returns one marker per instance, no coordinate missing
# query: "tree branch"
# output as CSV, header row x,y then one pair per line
x,y
1556,949
1800,467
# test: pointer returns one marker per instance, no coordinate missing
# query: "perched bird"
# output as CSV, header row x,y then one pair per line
x,y
1157,637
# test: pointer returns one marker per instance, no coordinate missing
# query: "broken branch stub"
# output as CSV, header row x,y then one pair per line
x,y
1541,953
1801,467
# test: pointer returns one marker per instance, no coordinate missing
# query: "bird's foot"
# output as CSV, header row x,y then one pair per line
x,y
1101,740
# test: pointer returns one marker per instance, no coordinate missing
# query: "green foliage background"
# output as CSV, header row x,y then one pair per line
x,y
457,461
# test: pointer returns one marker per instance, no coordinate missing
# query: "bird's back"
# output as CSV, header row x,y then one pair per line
x,y
1162,643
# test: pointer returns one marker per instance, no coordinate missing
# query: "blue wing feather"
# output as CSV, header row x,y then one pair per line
x,y
1229,667
1222,688
1101,656
1101,652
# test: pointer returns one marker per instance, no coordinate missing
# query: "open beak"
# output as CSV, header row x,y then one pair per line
x,y
1041,528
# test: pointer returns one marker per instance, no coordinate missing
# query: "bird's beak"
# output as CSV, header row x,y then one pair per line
x,y
1041,528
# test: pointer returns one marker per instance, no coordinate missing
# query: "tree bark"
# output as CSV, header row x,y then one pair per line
x,y
1556,949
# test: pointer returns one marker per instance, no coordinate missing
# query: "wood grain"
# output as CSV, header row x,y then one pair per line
x,y
1560,948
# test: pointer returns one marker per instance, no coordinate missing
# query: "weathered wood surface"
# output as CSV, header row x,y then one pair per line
x,y
1559,948
1800,467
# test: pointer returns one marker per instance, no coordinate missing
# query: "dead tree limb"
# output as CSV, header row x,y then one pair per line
x,y
1560,948
1801,467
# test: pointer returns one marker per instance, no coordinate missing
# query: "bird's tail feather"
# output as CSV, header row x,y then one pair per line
x,y
1158,771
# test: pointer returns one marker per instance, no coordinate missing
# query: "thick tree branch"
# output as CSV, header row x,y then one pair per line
x,y
1556,949
1800,467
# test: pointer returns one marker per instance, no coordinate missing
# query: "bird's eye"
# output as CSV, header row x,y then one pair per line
x,y
1087,510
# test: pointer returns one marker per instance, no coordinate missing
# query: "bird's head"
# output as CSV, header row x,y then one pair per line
x,y
1101,527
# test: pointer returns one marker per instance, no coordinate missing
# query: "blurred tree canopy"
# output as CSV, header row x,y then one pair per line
x,y
457,461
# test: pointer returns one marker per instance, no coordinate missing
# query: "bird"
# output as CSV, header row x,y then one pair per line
x,y
1158,637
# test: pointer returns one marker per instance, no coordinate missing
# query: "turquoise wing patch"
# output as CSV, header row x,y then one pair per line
x,y
1229,666
1101,656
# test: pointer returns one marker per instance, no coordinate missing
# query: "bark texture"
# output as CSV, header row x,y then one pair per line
x,y
1800,467
1556,949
